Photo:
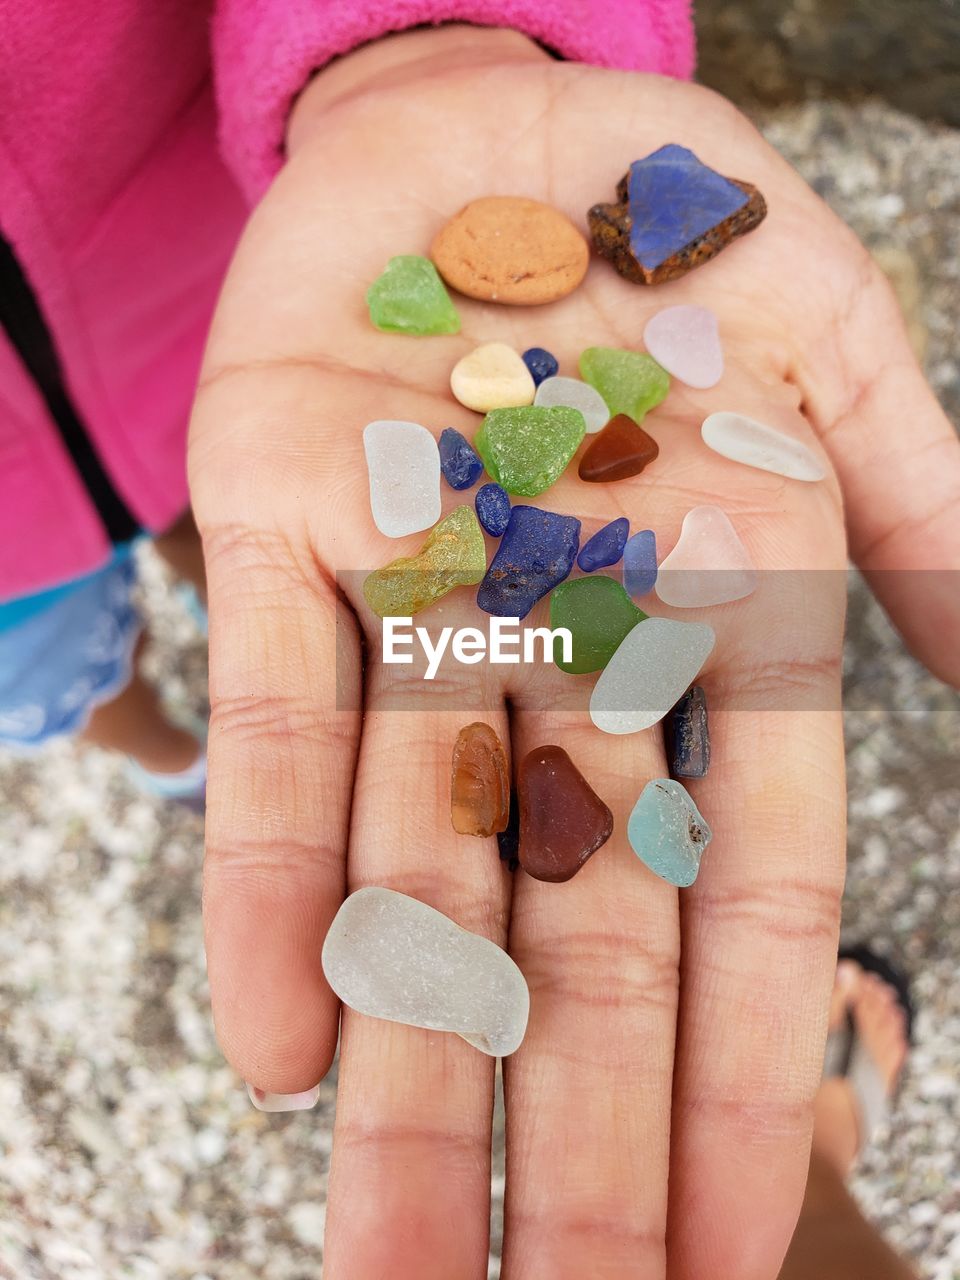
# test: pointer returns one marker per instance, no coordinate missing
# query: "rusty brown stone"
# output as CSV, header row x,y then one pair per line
x,y
610,233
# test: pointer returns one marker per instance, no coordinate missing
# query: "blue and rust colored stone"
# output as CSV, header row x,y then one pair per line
x,y
673,213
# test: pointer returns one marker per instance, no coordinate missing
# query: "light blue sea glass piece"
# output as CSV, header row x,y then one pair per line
x,y
667,832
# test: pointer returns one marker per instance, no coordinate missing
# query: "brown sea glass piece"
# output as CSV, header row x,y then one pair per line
x,y
480,782
620,450
562,819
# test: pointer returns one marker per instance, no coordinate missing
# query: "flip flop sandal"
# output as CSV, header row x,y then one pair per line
x,y
188,787
847,1057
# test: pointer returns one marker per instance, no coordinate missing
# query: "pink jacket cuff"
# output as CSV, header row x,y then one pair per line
x,y
266,50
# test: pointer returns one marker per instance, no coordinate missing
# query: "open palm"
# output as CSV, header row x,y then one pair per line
x,y
659,1109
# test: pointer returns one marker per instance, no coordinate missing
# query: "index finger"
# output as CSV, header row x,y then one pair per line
x,y
281,757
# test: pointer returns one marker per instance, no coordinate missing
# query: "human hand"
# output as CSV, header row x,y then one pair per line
x,y
668,1033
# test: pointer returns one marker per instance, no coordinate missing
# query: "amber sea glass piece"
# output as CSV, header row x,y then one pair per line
x,y
562,819
620,450
480,782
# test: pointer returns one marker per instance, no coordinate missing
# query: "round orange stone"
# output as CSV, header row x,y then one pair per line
x,y
511,249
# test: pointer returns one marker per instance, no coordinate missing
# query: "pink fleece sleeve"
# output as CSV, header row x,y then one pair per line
x,y
266,50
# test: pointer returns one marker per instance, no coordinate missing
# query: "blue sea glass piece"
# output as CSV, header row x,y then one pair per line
x,y
493,509
667,831
687,735
508,840
535,554
673,199
542,364
459,463
640,563
605,547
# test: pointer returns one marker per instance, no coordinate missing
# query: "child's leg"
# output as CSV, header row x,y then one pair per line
x,y
833,1240
134,723
181,548
68,667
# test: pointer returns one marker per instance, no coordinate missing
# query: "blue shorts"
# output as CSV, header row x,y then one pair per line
x,y
66,651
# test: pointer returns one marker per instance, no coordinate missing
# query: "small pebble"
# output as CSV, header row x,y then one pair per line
x,y
390,956
527,449
492,377
640,563
535,554
685,340
673,213
409,297
575,395
479,782
630,382
454,555
742,439
541,363
511,249
460,465
493,509
708,566
562,819
656,662
404,469
687,735
619,451
598,613
605,547
667,832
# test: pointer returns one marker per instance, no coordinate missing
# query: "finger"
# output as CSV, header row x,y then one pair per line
x,y
410,1179
898,459
759,933
280,766
588,1092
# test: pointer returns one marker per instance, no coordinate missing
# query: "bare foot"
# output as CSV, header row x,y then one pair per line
x,y
881,1024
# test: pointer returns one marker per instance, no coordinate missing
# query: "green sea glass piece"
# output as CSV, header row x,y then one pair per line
x,y
668,832
598,613
454,555
526,449
410,297
631,382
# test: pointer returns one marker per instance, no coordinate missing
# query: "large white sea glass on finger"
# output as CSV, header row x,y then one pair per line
x,y
391,956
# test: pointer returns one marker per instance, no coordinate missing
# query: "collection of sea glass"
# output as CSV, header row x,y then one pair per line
x,y
391,956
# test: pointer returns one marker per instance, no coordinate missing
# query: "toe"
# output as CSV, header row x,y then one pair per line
x,y
845,986
881,1024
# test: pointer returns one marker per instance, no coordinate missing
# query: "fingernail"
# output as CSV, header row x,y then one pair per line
x,y
847,973
264,1101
